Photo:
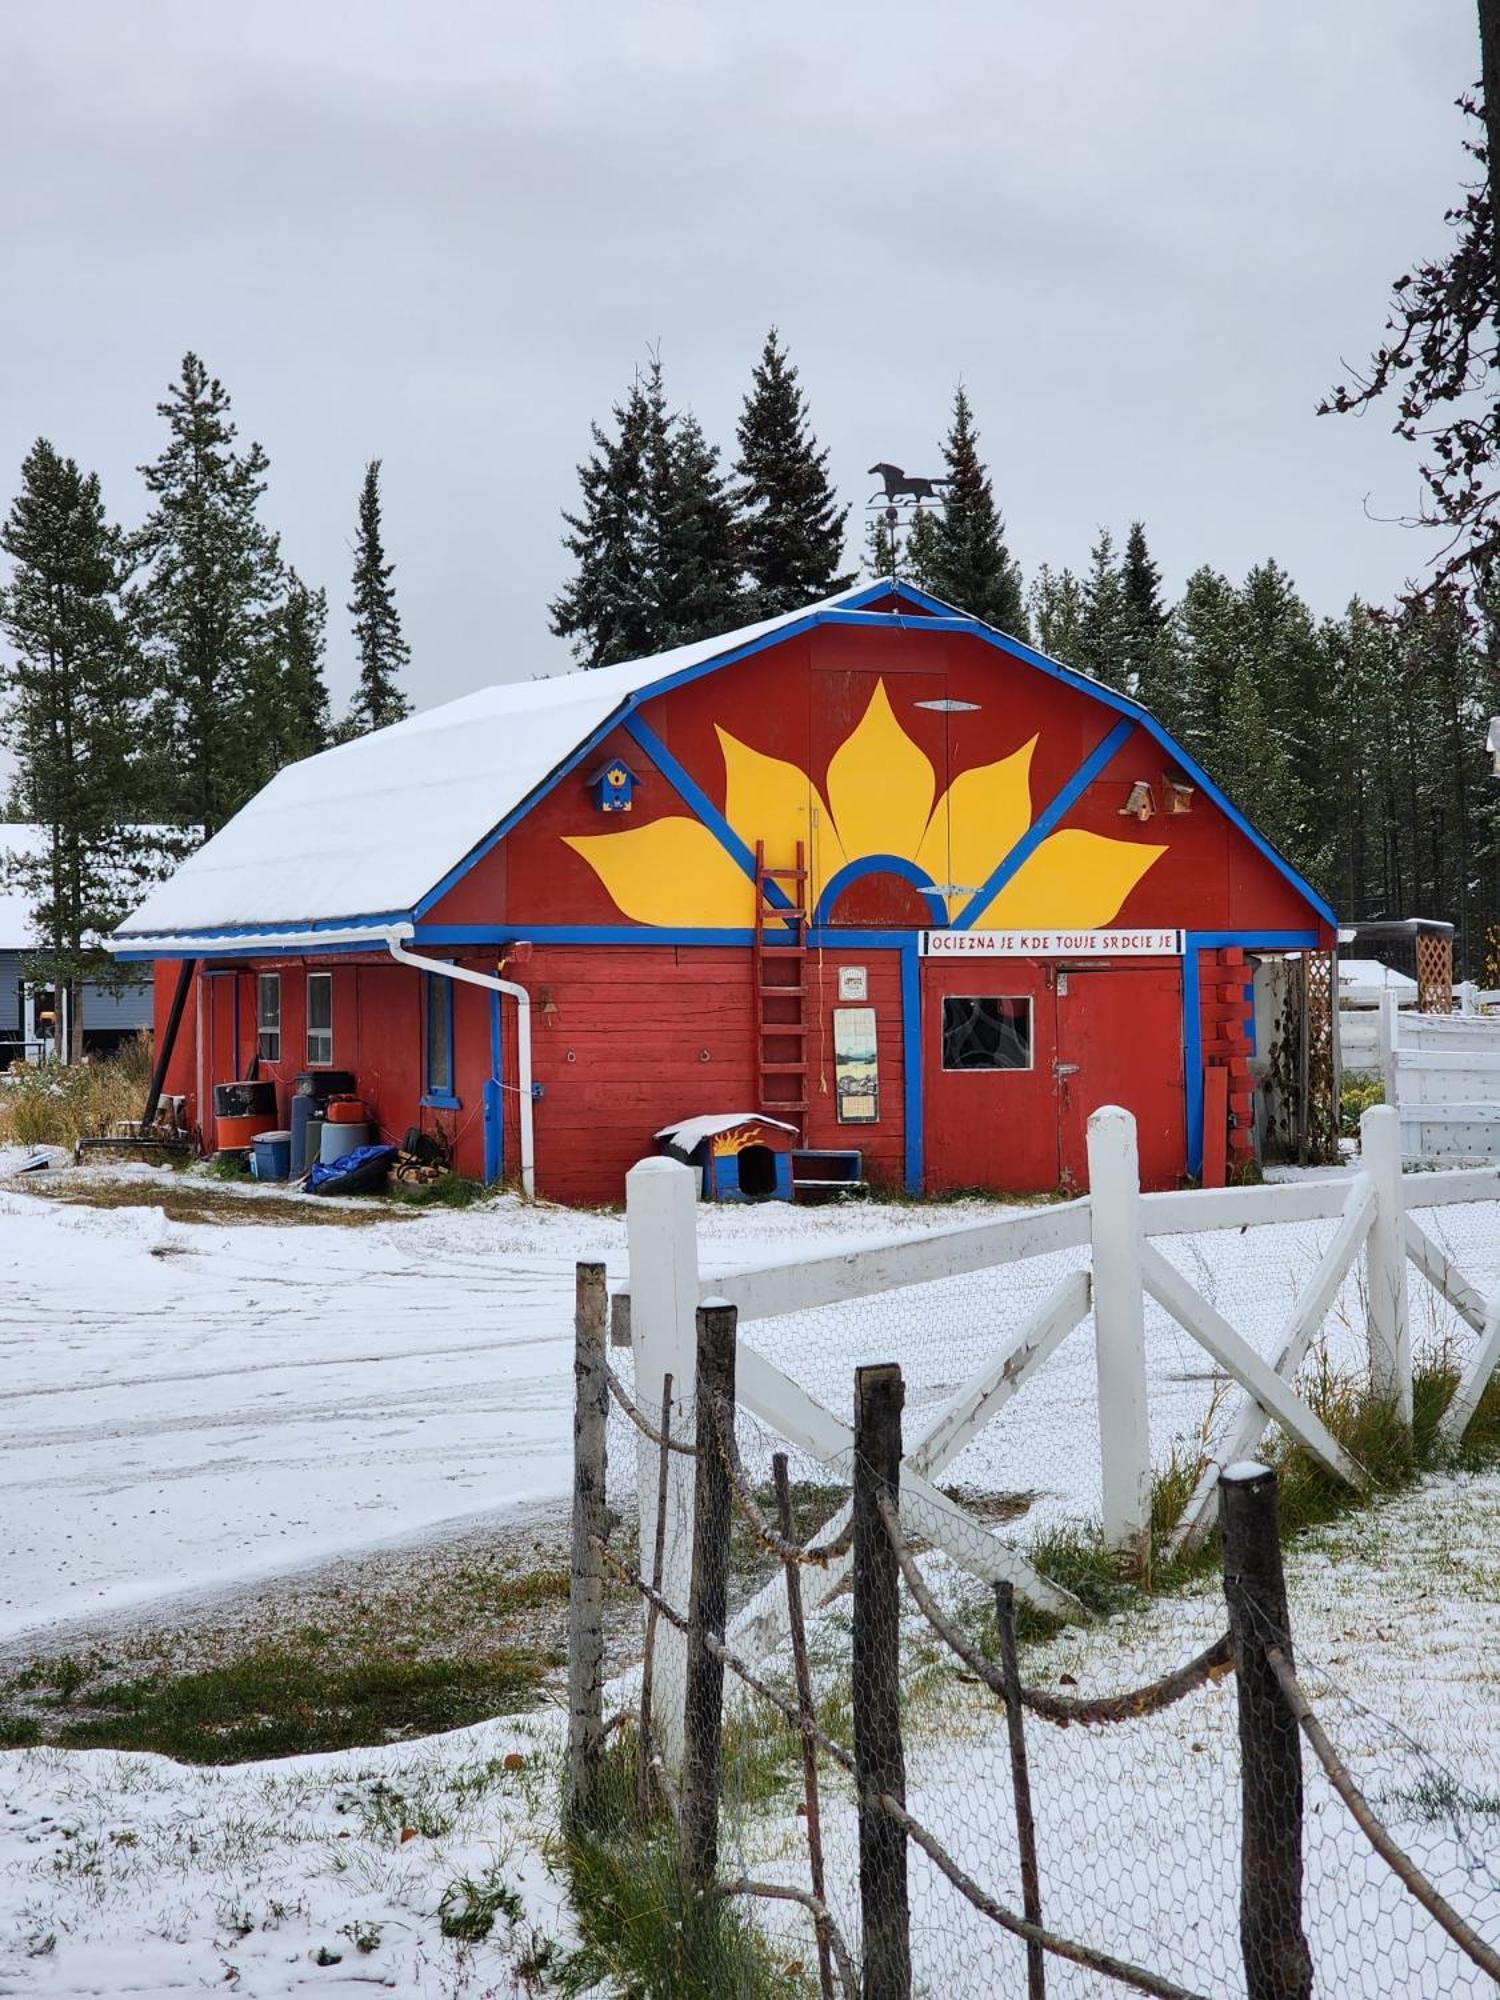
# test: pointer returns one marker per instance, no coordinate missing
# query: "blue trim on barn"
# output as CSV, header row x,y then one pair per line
x,y
1062,803
493,1099
881,864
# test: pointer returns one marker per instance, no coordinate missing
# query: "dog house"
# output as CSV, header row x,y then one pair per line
x,y
739,1155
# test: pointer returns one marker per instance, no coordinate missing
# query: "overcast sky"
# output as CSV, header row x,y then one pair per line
x,y
444,234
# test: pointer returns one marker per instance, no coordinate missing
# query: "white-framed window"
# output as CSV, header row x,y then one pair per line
x,y
986,1031
319,1019
268,1016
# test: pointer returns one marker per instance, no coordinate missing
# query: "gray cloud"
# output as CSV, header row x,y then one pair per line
x,y
444,234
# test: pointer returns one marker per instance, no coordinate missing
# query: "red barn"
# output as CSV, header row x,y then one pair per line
x,y
872,868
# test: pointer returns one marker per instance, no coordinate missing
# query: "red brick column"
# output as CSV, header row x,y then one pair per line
x,y
1226,1009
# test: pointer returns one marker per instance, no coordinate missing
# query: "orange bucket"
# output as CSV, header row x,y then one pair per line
x,y
345,1111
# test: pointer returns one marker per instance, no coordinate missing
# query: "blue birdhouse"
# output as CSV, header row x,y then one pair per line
x,y
613,787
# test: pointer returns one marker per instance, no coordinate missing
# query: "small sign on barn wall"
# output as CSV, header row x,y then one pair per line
x,y
856,1069
854,982
1052,944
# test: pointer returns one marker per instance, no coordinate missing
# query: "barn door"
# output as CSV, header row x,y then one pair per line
x,y
989,1044
1119,1041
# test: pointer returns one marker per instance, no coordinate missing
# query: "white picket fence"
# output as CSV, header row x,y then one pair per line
x,y
1442,1074
1115,1226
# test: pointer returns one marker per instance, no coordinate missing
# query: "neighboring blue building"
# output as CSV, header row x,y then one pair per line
x,y
109,1018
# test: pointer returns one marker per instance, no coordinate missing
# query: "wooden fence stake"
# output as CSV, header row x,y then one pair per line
x,y
661,1227
805,1710
1278,1965
879,1763
708,1600
648,1661
1387,1307
586,1577
1120,1335
1015,1718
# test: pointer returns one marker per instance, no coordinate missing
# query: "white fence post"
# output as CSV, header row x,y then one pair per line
x,y
1387,1311
1390,1039
662,1231
1120,1333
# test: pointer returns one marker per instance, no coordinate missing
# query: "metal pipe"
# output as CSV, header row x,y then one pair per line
x,y
491,983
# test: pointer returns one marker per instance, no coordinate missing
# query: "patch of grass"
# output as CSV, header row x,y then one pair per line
x,y
469,1907
194,1197
450,1191
281,1702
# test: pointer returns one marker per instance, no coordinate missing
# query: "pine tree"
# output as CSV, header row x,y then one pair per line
x,y
880,548
379,698
1055,601
1192,678
970,566
301,622
1102,637
74,698
1143,613
694,564
791,527
607,610
206,610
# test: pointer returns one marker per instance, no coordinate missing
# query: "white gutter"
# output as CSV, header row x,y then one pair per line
x,y
393,937
492,983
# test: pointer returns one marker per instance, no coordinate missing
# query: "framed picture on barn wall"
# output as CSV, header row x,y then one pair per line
x,y
856,1067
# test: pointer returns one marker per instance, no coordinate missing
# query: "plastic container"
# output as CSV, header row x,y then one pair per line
x,y
336,1140
237,1135
346,1111
271,1156
322,1083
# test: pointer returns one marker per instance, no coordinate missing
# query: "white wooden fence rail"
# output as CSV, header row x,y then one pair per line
x,y
1116,1224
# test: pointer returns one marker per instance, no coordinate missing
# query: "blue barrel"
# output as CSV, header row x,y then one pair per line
x,y
272,1156
340,1139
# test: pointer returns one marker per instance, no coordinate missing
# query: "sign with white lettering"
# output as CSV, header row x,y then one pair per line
x,y
1052,944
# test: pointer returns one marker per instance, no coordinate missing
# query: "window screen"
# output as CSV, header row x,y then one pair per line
x,y
986,1033
269,1017
439,1036
320,1017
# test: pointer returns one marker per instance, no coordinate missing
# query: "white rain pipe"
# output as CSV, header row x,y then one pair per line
x,y
492,983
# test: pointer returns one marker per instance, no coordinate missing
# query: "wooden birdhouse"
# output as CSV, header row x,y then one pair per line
x,y
1141,804
613,787
1176,795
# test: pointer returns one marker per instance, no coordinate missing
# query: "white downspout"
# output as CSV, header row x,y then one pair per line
x,y
491,983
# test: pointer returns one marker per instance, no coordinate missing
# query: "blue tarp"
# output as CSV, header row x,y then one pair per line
x,y
355,1166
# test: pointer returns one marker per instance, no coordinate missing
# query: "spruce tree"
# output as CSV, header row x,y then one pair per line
x,y
791,527
970,566
379,698
206,609
880,548
301,623
694,565
606,610
1143,613
73,720
1055,602
1102,640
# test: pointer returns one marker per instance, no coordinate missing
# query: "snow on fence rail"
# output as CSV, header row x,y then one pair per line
x,y
1115,1258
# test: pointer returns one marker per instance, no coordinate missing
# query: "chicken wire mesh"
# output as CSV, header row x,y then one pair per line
x,y
1138,1824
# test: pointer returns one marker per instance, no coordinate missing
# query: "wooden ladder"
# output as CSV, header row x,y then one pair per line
x,y
780,956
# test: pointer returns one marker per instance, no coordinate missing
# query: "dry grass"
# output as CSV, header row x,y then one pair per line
x,y
195,1198
50,1104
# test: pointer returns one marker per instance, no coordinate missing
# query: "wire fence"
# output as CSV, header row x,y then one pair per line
x,y
879,1806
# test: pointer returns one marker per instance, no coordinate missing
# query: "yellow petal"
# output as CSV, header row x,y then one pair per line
x,y
979,819
1074,881
880,786
671,872
768,799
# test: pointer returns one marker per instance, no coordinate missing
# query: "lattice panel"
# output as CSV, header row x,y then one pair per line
x,y
1434,974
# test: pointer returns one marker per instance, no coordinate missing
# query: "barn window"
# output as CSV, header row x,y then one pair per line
x,y
268,1017
986,1033
319,1018
437,1005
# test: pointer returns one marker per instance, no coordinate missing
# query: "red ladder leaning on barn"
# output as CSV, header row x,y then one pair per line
x,y
780,960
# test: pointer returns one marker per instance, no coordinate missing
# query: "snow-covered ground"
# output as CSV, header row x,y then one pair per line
x,y
126,1874
190,1405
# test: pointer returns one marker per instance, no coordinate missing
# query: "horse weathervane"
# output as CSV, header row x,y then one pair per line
x,y
899,485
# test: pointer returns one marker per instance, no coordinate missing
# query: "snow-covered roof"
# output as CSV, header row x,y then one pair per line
x,y
1368,975
367,828
691,1132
